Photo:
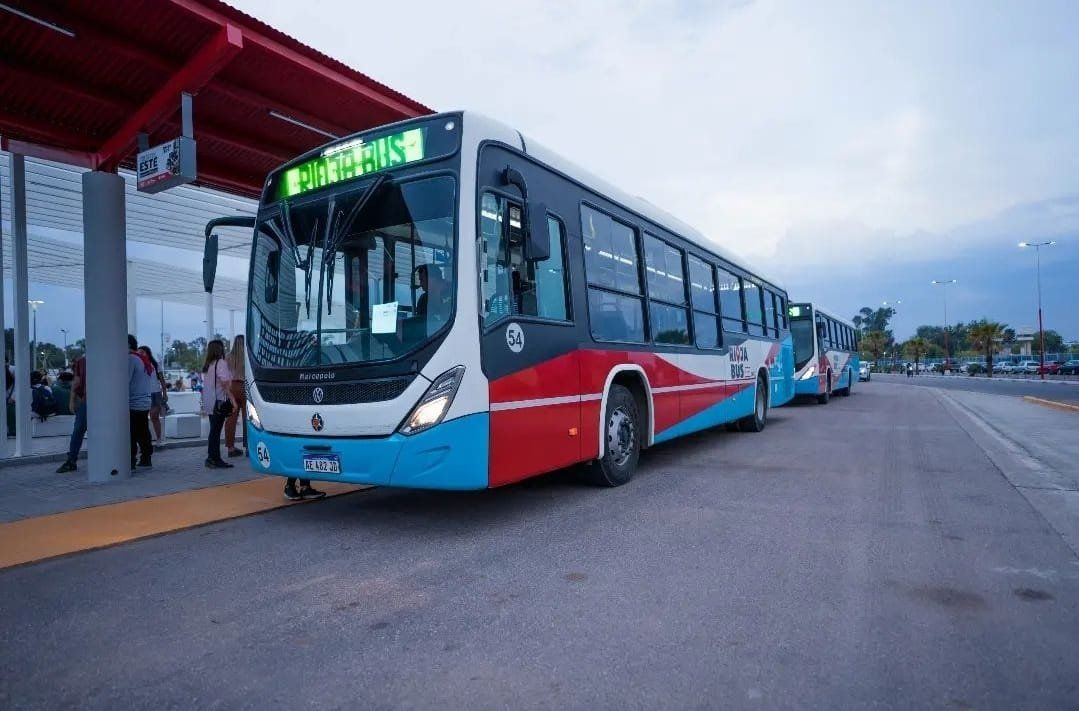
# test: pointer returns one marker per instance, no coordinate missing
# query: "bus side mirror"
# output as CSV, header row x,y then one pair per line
x,y
538,241
820,330
209,263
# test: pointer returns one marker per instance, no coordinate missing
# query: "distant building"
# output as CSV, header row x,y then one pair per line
x,y
1024,338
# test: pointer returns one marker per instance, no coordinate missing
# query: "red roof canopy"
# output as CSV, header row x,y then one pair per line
x,y
82,89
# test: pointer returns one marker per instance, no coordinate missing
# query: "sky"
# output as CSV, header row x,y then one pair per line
x,y
855,150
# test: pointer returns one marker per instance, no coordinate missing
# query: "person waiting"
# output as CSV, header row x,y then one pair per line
x,y
77,403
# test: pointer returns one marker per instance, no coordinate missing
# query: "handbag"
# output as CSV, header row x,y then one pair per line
x,y
222,408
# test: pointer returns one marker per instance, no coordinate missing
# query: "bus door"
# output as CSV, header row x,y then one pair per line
x,y
529,338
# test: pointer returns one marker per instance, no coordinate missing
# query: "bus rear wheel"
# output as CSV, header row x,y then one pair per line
x,y
759,418
825,396
622,441
850,384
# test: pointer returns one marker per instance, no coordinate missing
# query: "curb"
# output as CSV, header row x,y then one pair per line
x,y
1063,406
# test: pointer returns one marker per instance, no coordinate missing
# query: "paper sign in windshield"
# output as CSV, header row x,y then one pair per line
x,y
384,318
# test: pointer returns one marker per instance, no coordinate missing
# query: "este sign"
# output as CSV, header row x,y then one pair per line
x,y
166,165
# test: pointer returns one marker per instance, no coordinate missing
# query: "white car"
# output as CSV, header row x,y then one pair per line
x,y
864,373
1030,367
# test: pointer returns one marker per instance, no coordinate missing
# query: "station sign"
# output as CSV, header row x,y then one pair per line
x,y
166,165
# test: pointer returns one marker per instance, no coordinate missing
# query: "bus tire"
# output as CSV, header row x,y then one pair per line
x,y
825,396
622,444
759,418
845,392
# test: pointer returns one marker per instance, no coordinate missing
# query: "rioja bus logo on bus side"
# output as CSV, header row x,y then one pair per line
x,y
515,338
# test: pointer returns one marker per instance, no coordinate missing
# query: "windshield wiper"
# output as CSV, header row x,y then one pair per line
x,y
286,237
341,225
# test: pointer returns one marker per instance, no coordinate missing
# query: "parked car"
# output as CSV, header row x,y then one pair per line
x,y
864,373
1003,366
1028,367
1070,367
1052,367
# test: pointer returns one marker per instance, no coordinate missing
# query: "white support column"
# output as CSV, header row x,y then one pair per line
x,y
232,320
209,317
104,275
21,294
132,301
3,346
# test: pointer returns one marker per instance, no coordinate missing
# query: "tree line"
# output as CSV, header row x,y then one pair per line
x,y
983,339
181,355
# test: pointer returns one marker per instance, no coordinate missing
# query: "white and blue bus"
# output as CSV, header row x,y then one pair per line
x,y
443,303
826,358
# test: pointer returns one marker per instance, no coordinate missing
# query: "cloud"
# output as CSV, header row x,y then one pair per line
x,y
799,134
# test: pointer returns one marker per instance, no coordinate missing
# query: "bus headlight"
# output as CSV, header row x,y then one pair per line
x,y
435,403
810,372
253,416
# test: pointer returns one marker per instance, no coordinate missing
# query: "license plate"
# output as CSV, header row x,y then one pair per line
x,y
322,463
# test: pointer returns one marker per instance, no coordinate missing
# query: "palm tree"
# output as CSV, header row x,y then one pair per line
x,y
916,348
874,343
984,336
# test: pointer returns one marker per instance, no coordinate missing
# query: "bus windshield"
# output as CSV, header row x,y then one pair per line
x,y
804,337
358,274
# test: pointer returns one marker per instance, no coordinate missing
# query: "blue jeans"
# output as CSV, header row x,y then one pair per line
x,y
78,433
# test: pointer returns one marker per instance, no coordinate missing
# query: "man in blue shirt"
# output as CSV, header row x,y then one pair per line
x,y
141,384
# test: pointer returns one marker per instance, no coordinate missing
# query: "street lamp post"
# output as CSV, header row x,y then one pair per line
x,y
947,351
64,331
34,303
1038,280
892,305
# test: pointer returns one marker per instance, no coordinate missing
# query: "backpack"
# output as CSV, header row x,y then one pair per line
x,y
43,403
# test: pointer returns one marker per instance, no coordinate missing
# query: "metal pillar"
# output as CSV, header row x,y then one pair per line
x,y
232,323
132,302
104,275
209,317
3,327
21,294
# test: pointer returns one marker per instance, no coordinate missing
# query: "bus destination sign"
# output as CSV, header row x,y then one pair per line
x,y
351,160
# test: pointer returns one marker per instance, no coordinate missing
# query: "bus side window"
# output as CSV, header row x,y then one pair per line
x,y
754,310
549,277
730,300
510,284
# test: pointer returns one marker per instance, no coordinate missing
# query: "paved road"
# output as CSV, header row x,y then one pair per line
x,y
1061,391
867,552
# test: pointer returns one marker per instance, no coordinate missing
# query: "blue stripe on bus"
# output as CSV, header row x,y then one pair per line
x,y
451,455
733,408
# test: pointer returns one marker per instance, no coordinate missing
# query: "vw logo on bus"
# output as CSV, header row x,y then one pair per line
x,y
317,395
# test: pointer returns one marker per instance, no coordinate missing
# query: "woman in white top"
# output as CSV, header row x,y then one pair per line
x,y
217,400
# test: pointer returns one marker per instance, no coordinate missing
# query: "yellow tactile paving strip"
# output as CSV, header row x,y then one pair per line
x,y
1056,405
43,537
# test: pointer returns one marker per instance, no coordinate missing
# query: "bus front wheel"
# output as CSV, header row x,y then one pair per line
x,y
757,421
622,441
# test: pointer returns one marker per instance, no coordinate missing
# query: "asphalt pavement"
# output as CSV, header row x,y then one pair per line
x,y
868,552
1062,391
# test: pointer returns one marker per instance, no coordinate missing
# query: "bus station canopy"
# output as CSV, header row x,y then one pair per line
x,y
84,83
83,78
174,218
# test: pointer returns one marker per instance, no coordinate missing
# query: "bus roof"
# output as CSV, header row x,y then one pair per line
x,y
639,205
824,312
